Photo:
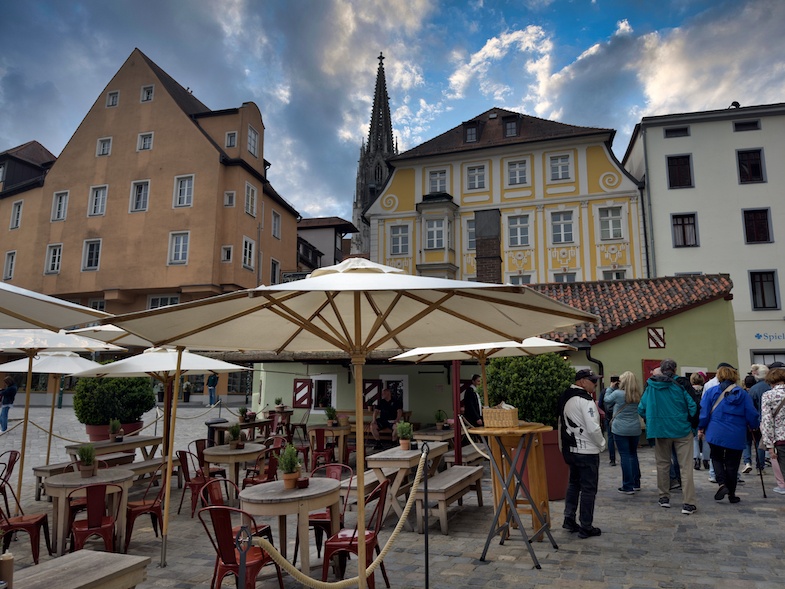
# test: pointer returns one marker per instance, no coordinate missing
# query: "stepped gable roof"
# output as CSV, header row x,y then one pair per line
x,y
184,99
31,152
491,125
321,222
626,305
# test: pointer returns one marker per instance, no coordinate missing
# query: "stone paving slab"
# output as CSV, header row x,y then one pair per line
x,y
642,546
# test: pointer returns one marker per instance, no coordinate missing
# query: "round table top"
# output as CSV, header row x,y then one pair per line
x,y
335,428
102,475
274,491
224,451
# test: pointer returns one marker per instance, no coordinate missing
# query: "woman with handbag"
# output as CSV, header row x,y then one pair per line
x,y
772,425
626,430
726,413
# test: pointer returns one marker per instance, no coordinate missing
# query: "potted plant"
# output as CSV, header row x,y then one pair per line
x,y
243,411
331,414
250,416
404,429
234,436
86,454
440,416
343,420
99,400
279,406
290,466
116,431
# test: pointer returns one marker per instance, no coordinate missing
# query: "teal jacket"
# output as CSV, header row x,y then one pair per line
x,y
666,406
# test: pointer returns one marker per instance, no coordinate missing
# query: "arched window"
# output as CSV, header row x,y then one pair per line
x,y
378,173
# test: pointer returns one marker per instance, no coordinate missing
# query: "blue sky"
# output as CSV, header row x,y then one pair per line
x,y
310,65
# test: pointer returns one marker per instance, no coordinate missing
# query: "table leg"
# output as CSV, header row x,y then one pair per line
x,y
282,535
305,544
59,519
392,498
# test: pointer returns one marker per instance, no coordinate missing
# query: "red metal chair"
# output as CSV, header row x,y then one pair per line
x,y
279,426
227,560
194,479
301,427
8,461
32,524
197,447
345,541
320,447
78,504
98,522
211,495
153,505
266,468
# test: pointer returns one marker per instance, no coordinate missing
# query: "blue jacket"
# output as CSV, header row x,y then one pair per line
x,y
727,425
625,415
666,407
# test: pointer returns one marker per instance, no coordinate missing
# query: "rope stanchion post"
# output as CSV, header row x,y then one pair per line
x,y
426,511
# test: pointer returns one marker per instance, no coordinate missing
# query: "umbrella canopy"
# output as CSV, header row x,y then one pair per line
x,y
24,309
113,335
355,307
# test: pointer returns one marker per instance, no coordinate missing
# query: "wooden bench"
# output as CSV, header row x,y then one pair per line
x,y
48,470
469,457
445,488
85,569
370,483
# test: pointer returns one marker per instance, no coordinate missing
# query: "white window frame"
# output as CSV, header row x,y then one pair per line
x,y
178,199
275,229
470,134
59,205
167,299
253,141
140,141
54,258
112,99
96,205
562,164
2,172
565,277
250,199
476,176
518,233
249,253
133,206
434,234
552,222
519,279
16,214
103,147
179,245
97,304
275,271
520,167
8,267
87,247
471,234
437,180
230,140
614,274
229,198
147,93
611,228
399,240
227,252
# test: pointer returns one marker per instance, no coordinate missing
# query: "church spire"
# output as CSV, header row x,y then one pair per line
x,y
380,136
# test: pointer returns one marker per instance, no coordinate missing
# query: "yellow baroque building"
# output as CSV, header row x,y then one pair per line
x,y
551,199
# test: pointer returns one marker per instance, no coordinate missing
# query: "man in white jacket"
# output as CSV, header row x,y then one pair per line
x,y
581,441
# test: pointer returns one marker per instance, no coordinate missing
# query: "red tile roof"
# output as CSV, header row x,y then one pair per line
x,y
320,222
625,305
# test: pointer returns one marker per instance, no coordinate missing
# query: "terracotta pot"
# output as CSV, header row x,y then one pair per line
x,y
233,445
405,444
87,471
439,425
290,479
343,420
98,433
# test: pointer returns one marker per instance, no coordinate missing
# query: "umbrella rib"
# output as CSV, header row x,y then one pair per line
x,y
28,319
297,331
430,307
338,315
568,311
303,324
381,318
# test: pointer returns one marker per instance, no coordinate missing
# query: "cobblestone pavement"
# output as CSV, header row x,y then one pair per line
x,y
642,545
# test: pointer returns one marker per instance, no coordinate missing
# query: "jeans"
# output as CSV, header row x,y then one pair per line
x,y
582,488
630,468
611,442
746,454
663,449
211,391
4,417
698,449
726,466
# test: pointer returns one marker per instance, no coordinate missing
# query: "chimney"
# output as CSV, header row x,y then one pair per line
x,y
487,235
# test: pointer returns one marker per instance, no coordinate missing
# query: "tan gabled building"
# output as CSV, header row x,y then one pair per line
x,y
155,199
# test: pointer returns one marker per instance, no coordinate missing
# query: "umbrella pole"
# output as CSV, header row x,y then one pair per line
x,y
30,355
169,452
59,380
456,408
359,405
483,362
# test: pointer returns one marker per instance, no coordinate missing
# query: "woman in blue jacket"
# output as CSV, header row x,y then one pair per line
x,y
726,413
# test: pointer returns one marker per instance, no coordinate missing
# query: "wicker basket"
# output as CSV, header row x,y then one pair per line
x,y
498,417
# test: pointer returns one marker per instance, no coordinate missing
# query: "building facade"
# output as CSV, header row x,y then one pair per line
x,y
552,198
713,204
155,199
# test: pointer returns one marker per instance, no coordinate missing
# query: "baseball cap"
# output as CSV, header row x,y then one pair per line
x,y
776,364
588,374
721,364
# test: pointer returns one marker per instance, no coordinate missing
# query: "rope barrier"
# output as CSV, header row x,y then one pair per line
x,y
10,429
466,433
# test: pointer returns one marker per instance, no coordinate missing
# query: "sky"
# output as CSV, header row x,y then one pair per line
x,y
310,66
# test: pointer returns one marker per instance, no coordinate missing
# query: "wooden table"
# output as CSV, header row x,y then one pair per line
x,y
508,479
272,499
233,457
431,434
148,445
85,569
404,461
58,487
339,432
220,429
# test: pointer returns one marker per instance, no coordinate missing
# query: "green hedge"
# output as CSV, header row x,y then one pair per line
x,y
99,400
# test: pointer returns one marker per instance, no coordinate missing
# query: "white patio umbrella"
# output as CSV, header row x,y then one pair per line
x,y
113,335
25,309
31,342
57,363
356,306
166,365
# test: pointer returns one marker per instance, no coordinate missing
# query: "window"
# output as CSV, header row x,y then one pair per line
x,y
112,99
476,177
140,192
520,279
437,181
91,254
560,167
144,142
518,230
764,290
16,214
610,223
147,93
564,277
750,166
249,246
685,230
614,274
183,191
275,271
679,171
8,268
561,226
756,226
253,141
226,253
157,301
54,255
97,304
471,235
276,229
59,206
434,234
229,198
399,240
104,147
677,132
517,172
2,172
97,201
231,139
510,128
178,247
250,199
471,134
746,125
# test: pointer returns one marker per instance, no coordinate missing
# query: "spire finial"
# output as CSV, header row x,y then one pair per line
x,y
381,58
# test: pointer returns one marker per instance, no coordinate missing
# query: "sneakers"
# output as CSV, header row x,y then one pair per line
x,y
589,532
734,499
712,479
740,481
747,468
625,492
665,502
638,488
688,509
721,492
779,490
705,464
697,465
675,484
571,525
613,463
